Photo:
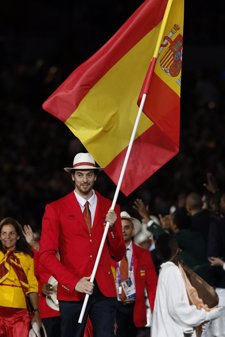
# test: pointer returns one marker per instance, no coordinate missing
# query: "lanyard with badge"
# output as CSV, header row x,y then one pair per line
x,y
127,285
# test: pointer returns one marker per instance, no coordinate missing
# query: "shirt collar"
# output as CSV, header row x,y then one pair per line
x,y
129,247
82,201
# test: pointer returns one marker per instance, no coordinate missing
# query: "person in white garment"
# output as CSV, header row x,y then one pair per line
x,y
173,316
217,327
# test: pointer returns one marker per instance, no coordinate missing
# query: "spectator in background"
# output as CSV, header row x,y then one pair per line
x,y
216,255
217,262
200,219
145,239
191,243
151,222
211,198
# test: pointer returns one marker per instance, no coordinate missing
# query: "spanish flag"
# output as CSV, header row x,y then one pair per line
x,y
99,100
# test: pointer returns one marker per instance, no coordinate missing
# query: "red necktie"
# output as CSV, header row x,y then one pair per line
x,y
124,269
123,274
87,215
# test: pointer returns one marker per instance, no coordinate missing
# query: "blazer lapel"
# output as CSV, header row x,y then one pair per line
x,y
77,210
99,212
135,260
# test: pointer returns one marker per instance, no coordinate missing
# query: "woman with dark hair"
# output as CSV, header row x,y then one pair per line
x,y
173,314
17,281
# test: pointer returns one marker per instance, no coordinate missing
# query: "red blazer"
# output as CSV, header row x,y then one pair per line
x,y
65,231
145,278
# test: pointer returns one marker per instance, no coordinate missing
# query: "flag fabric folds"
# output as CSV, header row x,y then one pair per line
x,y
99,100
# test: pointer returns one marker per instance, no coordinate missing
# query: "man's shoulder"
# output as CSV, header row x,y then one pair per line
x,y
63,200
139,251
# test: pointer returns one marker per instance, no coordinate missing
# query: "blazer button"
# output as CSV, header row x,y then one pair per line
x,y
90,240
90,256
109,272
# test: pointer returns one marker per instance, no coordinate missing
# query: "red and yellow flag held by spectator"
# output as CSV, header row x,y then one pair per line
x,y
99,100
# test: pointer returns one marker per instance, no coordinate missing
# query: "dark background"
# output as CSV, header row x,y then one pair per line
x,y
41,42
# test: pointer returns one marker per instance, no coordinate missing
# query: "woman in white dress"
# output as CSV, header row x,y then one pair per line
x,y
173,315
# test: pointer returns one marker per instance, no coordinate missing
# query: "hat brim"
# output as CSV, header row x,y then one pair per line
x,y
137,226
35,332
142,236
52,300
136,223
82,167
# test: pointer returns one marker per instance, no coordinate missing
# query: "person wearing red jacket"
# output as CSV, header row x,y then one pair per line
x,y
77,236
140,277
49,311
48,306
47,285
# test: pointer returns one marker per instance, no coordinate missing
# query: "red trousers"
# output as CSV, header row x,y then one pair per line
x,y
14,322
88,332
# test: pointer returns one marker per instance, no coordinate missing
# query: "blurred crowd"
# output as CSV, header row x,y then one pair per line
x,y
185,198
35,146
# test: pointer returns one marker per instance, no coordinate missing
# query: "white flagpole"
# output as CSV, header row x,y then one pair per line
x,y
113,202
143,98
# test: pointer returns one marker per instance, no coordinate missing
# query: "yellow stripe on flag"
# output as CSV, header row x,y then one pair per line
x,y
168,69
98,101
108,111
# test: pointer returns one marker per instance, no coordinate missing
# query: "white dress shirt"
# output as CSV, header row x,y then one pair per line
x,y
92,204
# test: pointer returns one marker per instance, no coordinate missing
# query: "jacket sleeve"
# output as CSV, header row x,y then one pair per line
x,y
151,279
49,245
115,239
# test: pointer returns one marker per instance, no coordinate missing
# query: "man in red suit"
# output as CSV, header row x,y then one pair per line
x,y
141,276
74,228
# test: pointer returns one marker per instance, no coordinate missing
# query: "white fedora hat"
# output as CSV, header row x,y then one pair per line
x,y
142,236
52,300
136,222
83,161
36,331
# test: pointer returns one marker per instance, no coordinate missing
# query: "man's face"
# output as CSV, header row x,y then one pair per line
x,y
127,230
84,181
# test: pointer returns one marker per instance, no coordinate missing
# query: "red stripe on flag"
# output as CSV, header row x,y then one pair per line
x,y
164,111
149,152
157,145
66,98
